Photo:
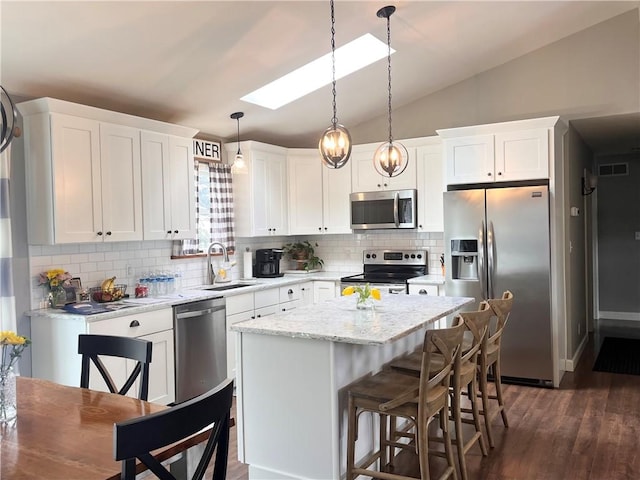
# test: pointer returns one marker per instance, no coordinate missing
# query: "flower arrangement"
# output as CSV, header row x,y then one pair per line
x,y
11,347
364,294
54,278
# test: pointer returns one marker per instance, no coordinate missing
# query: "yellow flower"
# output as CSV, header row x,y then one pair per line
x,y
375,293
11,347
348,291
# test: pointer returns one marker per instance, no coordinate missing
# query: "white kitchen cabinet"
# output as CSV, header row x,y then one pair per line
x,y
500,152
260,196
83,172
431,185
365,178
168,188
55,350
290,298
318,196
306,293
433,290
324,290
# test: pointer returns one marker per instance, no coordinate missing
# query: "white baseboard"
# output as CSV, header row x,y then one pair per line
x,y
635,316
570,364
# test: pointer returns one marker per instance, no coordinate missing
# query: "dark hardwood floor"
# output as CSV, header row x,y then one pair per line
x,y
588,429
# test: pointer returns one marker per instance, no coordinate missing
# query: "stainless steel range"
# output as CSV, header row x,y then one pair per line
x,y
389,270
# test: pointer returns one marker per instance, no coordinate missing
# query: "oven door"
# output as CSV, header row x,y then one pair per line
x,y
385,288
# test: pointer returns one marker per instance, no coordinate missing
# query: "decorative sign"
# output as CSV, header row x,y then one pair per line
x,y
206,150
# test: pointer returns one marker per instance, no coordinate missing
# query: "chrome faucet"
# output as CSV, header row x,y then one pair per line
x,y
211,276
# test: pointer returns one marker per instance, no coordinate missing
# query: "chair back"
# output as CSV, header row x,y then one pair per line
x,y
502,309
477,323
137,437
92,347
445,343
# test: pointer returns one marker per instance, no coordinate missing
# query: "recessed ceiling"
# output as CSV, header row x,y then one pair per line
x,y
190,62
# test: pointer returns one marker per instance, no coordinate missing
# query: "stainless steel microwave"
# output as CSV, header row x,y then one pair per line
x,y
383,209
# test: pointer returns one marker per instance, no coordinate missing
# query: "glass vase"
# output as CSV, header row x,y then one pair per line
x,y
365,303
57,297
8,398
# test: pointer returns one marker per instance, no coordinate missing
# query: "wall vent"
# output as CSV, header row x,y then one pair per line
x,y
613,170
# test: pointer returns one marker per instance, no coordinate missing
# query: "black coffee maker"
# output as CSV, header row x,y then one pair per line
x,y
268,263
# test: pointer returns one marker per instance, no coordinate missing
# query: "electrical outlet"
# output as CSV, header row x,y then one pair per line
x,y
637,235
129,271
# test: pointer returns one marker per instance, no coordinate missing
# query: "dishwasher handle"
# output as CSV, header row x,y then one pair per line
x,y
198,313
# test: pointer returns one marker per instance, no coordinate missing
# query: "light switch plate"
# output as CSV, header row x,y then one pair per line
x,y
637,235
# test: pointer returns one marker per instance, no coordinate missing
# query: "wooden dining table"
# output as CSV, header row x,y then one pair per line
x,y
64,432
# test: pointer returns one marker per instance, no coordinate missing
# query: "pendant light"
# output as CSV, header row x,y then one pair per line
x,y
239,165
391,158
335,143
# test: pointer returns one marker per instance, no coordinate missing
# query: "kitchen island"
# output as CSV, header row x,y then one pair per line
x,y
294,369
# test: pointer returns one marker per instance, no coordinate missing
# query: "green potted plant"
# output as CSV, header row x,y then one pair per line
x,y
304,254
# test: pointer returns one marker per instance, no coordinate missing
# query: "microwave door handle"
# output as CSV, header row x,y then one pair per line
x,y
396,206
481,261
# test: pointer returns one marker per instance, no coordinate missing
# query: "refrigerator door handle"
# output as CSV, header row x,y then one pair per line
x,y
490,260
481,263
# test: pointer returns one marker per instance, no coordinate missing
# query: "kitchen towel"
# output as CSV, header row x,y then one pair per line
x,y
247,264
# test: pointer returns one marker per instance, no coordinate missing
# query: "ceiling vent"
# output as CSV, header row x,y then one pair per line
x,y
613,170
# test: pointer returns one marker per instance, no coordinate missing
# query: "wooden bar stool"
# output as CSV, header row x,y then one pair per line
x,y
417,399
464,377
489,360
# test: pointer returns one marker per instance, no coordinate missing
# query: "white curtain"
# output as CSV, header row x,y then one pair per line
x,y
7,298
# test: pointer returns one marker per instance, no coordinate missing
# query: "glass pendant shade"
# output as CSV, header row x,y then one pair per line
x,y
391,159
239,165
335,146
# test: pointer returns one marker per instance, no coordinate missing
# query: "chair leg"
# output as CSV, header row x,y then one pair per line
x,y
351,438
473,392
448,449
485,402
422,438
384,443
457,418
498,382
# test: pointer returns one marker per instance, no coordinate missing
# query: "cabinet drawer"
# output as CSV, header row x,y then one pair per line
x,y
266,311
239,303
290,293
423,290
265,298
148,323
286,306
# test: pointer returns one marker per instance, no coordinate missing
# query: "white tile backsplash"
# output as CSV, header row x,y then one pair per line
x,y
95,262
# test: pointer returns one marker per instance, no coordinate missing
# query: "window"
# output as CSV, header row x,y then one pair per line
x,y
214,205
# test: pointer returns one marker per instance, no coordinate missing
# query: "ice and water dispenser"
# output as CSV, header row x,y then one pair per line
x,y
464,259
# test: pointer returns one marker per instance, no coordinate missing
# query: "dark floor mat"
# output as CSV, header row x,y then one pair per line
x,y
619,355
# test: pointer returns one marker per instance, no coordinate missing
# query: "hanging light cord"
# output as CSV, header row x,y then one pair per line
x,y
389,71
334,119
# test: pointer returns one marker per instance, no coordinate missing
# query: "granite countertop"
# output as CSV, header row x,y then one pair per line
x,y
338,320
140,305
427,280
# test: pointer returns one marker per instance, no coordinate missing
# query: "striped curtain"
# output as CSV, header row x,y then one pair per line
x,y
7,299
214,205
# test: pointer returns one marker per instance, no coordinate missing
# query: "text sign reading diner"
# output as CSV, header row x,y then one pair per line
x,y
207,150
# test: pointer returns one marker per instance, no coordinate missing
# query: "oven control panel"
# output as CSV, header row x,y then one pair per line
x,y
395,257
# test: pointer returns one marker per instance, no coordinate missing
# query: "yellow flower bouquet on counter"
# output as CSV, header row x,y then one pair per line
x,y
365,295
11,347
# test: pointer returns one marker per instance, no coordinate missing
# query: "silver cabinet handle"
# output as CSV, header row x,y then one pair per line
x,y
423,292
134,323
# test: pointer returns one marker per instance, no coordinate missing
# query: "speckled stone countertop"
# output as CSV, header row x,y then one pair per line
x,y
135,306
427,280
338,320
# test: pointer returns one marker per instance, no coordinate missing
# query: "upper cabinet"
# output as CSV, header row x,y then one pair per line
x,y
318,196
499,152
167,184
260,195
84,173
431,184
365,178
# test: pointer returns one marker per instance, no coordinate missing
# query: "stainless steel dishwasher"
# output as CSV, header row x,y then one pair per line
x,y
200,346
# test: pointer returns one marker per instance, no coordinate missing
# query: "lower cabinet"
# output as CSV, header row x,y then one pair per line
x,y
324,290
433,290
55,347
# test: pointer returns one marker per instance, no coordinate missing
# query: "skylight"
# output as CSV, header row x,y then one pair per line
x,y
351,57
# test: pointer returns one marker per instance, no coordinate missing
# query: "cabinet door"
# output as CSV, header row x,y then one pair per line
x,y
260,192
182,188
277,194
431,185
365,178
305,178
155,188
306,293
75,152
162,387
231,340
121,183
522,155
336,207
469,159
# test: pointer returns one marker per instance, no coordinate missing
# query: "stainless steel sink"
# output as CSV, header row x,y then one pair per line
x,y
220,288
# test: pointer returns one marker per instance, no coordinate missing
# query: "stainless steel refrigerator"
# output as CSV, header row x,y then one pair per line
x,y
497,239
